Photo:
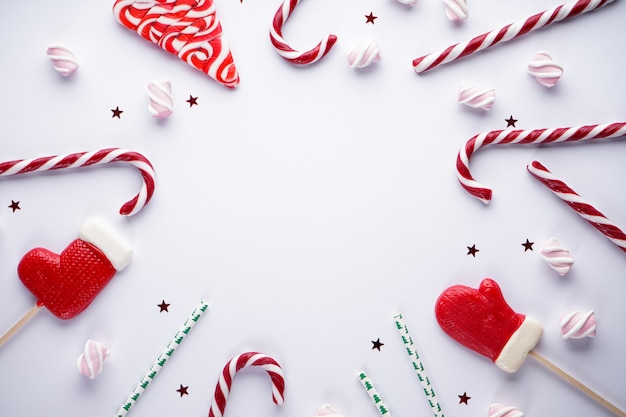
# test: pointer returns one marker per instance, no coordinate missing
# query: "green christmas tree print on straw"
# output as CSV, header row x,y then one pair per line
x,y
371,391
418,366
162,358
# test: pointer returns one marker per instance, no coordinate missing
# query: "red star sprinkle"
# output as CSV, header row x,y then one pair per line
x,y
377,344
182,390
528,245
15,205
510,121
163,306
192,100
472,250
370,18
117,112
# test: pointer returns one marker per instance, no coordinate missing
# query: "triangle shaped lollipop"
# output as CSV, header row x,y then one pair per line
x,y
188,29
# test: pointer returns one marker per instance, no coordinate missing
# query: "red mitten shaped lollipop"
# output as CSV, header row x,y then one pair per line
x,y
67,283
481,319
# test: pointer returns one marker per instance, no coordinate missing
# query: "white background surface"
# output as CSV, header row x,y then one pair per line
x,y
309,206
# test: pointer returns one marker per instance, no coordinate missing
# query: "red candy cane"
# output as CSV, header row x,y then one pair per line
x,y
287,52
526,137
576,202
508,32
83,159
237,363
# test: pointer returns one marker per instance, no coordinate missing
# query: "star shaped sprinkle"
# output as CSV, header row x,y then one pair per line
x,y
182,390
15,205
117,112
163,306
472,250
377,345
463,399
528,245
370,18
510,121
192,100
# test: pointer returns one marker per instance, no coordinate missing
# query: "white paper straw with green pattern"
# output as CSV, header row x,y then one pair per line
x,y
371,391
162,359
418,366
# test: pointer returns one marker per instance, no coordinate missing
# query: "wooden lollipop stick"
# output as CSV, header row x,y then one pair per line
x,y
601,400
29,315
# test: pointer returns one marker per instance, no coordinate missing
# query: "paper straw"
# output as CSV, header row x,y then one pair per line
x,y
371,391
418,366
162,359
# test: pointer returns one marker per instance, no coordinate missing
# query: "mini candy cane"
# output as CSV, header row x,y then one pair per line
x,y
286,51
526,137
235,365
162,359
83,159
508,32
576,202
371,391
418,366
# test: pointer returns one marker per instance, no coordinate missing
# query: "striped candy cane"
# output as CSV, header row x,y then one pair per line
x,y
576,202
235,365
84,159
418,366
526,137
162,359
508,32
286,51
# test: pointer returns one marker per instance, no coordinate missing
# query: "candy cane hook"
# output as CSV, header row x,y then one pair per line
x,y
83,159
508,32
235,365
286,51
526,137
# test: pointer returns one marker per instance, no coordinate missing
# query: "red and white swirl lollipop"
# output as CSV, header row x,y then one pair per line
x,y
290,54
236,364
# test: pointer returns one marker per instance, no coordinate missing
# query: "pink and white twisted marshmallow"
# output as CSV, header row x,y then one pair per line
x,y
526,137
456,9
499,410
84,159
363,54
506,33
578,204
557,257
188,29
475,96
286,51
239,362
62,58
577,325
161,104
545,70
90,362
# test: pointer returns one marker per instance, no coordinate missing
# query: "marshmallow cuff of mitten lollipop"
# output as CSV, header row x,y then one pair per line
x,y
523,340
113,245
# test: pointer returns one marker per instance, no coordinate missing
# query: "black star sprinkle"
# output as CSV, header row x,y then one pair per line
x,y
463,399
370,18
377,345
15,205
192,100
472,250
182,390
510,121
528,245
117,112
163,306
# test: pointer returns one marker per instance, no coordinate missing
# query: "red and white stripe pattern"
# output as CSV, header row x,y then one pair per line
x,y
526,137
580,206
286,51
508,32
188,29
235,365
84,159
